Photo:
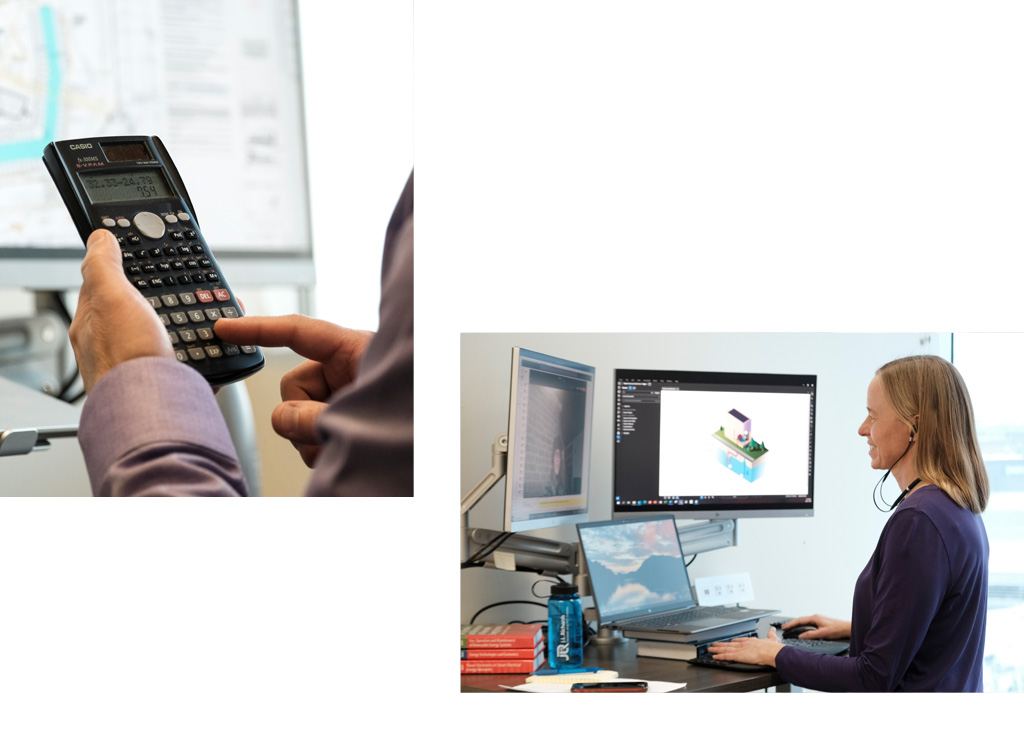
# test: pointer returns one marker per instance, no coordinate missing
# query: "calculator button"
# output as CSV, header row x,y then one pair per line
x,y
177,236
229,312
184,279
196,316
127,255
164,266
230,349
213,350
108,222
212,314
222,294
177,265
169,300
149,268
156,282
187,335
204,295
212,277
196,353
205,263
198,249
134,269
134,239
156,252
165,319
171,219
198,277
187,298
181,355
248,349
179,318
142,284
170,281
122,222
191,264
191,234
150,225
173,336
154,301
205,334
140,254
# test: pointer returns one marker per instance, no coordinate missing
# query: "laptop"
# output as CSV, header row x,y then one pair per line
x,y
640,583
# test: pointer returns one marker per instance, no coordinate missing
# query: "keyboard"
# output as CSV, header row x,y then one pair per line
x,y
818,646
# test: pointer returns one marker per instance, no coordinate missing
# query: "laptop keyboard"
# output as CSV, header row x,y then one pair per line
x,y
685,616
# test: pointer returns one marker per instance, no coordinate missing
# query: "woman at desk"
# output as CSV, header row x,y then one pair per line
x,y
919,606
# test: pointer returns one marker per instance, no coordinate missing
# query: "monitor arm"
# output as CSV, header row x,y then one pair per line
x,y
517,552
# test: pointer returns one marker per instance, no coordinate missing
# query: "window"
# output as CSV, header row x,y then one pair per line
x,y
991,365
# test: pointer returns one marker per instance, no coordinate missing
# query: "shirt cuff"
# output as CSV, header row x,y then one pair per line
x,y
149,400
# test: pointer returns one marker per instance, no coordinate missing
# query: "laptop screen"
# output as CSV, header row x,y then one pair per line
x,y
636,567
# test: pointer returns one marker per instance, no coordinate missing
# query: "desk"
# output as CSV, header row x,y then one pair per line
x,y
622,658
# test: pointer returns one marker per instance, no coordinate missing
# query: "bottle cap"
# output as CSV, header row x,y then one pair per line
x,y
564,589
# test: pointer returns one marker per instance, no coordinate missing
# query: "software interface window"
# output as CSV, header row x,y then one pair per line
x,y
697,458
712,439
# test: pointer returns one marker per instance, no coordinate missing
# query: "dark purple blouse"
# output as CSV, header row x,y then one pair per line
x,y
919,607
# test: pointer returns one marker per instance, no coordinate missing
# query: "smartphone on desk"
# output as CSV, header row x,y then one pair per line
x,y
130,186
610,687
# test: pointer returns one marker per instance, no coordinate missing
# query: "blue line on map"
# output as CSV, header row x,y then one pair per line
x,y
10,152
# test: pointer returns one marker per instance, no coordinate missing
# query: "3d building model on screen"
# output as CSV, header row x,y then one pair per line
x,y
739,451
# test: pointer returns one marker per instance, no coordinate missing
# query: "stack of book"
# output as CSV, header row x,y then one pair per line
x,y
686,646
502,648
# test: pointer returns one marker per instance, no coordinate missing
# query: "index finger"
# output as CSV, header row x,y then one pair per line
x,y
312,338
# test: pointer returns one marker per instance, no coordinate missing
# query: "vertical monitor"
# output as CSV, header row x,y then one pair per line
x,y
551,408
707,445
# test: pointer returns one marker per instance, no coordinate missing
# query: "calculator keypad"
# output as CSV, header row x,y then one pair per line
x,y
182,284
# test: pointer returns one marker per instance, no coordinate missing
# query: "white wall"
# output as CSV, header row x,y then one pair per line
x,y
800,566
357,63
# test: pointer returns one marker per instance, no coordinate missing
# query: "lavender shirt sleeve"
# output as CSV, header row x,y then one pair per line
x,y
367,429
151,427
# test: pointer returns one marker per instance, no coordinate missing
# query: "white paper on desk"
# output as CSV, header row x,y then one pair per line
x,y
653,687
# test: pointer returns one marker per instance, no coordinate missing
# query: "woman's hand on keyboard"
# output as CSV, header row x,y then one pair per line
x,y
747,649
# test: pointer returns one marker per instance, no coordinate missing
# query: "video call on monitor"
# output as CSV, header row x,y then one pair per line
x,y
713,445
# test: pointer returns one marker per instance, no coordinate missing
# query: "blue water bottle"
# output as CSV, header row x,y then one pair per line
x,y
565,627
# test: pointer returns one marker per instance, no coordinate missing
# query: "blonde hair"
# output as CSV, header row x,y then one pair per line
x,y
927,391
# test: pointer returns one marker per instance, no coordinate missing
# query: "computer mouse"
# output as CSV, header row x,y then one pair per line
x,y
794,633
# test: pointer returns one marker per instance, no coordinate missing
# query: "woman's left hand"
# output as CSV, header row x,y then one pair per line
x,y
748,649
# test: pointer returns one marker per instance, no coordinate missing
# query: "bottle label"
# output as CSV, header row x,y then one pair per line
x,y
562,649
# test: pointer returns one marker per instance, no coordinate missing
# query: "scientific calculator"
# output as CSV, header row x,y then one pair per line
x,y
130,186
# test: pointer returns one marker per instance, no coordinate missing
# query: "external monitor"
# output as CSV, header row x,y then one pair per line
x,y
551,407
704,445
220,84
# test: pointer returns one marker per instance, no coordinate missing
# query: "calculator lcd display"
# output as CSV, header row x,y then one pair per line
x,y
126,186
